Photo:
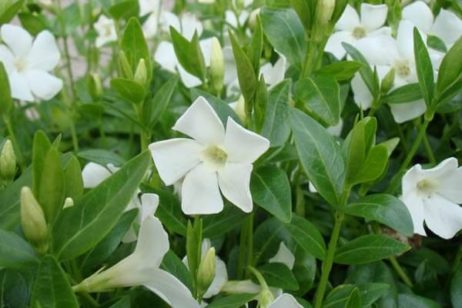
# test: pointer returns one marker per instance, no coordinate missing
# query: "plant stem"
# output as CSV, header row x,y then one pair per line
x,y
401,273
246,246
428,149
329,260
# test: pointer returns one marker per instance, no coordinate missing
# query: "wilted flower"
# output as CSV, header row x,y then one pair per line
x,y
142,268
216,159
353,28
432,195
106,30
28,63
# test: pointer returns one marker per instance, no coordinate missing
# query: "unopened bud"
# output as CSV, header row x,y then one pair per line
x,y
324,11
239,108
33,221
253,18
265,298
217,66
388,81
69,202
206,271
7,162
141,73
124,66
94,86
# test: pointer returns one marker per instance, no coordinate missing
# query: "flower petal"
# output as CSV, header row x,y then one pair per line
x,y
373,16
447,26
349,19
7,58
242,145
190,25
200,193
221,277
149,204
362,96
274,74
415,205
189,80
284,256
43,85
93,174
170,289
405,39
44,54
175,157
20,88
442,216
334,43
201,122
419,14
378,50
165,56
285,300
18,40
234,182
152,243
408,111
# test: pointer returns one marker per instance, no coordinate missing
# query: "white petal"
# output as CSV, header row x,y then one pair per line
x,y
284,256
285,300
441,170
150,26
148,6
407,111
200,193
7,58
411,178
152,243
378,50
414,204
190,25
168,19
230,65
149,204
419,14
165,56
189,80
17,39
234,182
44,54
201,123
447,26
43,85
20,88
405,39
231,19
206,48
170,289
334,44
175,157
349,19
362,96
442,216
449,183
242,145
373,16
93,174
274,74
221,277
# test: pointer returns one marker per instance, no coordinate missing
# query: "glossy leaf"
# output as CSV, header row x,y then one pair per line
x,y
189,53
15,252
307,236
450,70
232,301
279,275
129,90
404,94
135,47
155,107
424,68
341,71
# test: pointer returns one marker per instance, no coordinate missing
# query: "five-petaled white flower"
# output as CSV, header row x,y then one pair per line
x,y
105,27
213,160
142,268
432,195
28,63
353,28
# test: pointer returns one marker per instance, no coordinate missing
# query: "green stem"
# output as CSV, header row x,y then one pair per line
x,y
329,260
401,273
246,246
428,149
14,141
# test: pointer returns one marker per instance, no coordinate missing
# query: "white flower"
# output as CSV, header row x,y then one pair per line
x,y
152,9
352,28
284,256
214,160
386,53
285,300
142,268
274,74
432,195
106,30
28,63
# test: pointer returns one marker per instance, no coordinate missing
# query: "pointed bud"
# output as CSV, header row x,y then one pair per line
x,y
388,81
94,86
206,271
324,11
141,73
7,162
33,221
69,202
265,298
217,66
239,108
124,66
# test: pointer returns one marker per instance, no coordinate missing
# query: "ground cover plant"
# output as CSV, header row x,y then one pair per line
x,y
278,153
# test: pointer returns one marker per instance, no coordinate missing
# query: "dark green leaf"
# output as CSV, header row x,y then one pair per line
x,y
40,148
279,275
343,296
156,106
405,94
411,300
424,68
189,54
341,71
307,236
129,90
135,47
232,301
9,201
456,288
73,182
102,157
15,252
217,225
172,264
450,70
367,74
374,165
267,238
124,9
6,102
8,9
169,212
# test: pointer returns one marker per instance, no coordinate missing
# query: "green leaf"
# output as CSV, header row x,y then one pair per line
x,y
279,275
73,182
405,94
172,264
245,73
305,11
256,45
169,212
412,300
319,155
285,32
135,47
369,293
219,224
275,126
8,9
369,248
189,54
41,145
9,201
33,23
270,189
267,238
124,10
341,71
343,296
450,70
15,252
155,107
232,301
102,157
321,96
6,102
424,68
129,90
386,209
82,226
456,288
307,236
51,288
366,72
374,165
194,245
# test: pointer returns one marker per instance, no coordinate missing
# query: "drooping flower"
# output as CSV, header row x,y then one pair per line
x,y
142,268
28,63
214,160
432,196
351,28
106,30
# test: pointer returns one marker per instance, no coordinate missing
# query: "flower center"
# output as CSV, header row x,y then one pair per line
x,y
108,30
20,64
215,156
427,187
402,68
359,32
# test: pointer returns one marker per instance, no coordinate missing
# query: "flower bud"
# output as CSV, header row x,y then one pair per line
x,y
206,271
217,66
69,202
253,18
33,221
265,298
124,66
141,73
388,81
324,11
7,162
94,86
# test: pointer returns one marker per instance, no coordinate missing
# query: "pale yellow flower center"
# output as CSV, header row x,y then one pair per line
x,y
427,187
20,64
214,156
402,68
359,32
